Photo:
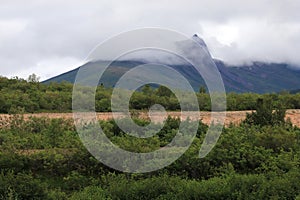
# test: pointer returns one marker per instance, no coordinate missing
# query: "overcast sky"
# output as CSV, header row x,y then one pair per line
x,y
51,37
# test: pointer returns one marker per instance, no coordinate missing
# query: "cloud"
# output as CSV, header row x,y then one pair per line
x,y
35,35
255,41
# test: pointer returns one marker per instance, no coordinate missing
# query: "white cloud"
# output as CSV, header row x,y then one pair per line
x,y
257,40
52,66
49,33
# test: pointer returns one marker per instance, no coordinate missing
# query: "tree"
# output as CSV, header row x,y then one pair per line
x,y
163,91
202,89
147,90
33,78
264,114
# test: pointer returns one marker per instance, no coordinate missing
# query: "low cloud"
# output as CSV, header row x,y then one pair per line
x,y
50,37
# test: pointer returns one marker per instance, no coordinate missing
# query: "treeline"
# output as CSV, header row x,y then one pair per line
x,y
43,158
19,95
30,96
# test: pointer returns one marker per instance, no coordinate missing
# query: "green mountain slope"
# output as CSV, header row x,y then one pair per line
x,y
258,78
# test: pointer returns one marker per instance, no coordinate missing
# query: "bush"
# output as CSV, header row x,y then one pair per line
x,y
21,186
265,115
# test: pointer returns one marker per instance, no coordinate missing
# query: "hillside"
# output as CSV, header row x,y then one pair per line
x,y
256,78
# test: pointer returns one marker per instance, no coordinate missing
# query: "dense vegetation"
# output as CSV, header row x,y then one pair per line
x,y
31,96
43,158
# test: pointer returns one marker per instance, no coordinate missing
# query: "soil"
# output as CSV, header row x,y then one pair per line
x,y
234,117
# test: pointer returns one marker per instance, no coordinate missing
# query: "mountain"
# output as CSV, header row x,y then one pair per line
x,y
294,91
258,77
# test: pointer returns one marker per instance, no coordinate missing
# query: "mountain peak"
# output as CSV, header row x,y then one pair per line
x,y
199,40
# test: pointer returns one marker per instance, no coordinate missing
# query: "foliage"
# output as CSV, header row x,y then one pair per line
x,y
43,158
18,95
265,115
